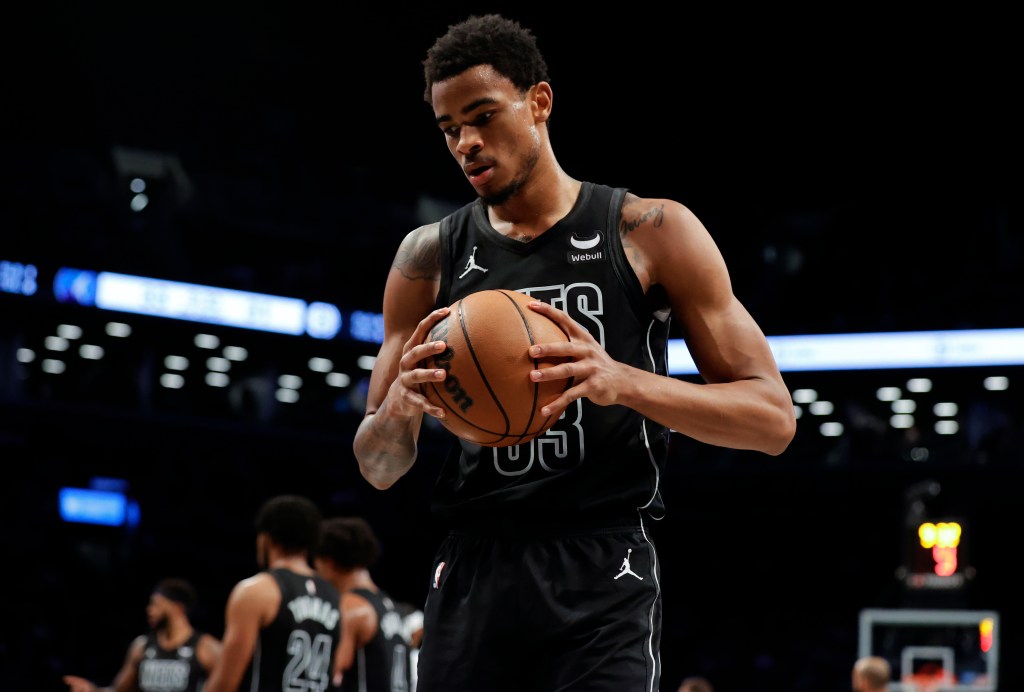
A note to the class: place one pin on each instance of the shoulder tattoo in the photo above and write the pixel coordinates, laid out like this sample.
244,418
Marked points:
654,214
419,258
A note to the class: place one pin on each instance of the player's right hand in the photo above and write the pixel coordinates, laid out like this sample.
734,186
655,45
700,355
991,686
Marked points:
405,396
78,684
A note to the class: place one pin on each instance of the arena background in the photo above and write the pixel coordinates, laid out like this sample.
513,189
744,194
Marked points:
859,170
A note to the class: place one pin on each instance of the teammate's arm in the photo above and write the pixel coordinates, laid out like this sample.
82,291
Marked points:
244,616
208,651
127,678
358,626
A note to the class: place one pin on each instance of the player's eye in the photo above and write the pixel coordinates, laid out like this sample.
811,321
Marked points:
482,119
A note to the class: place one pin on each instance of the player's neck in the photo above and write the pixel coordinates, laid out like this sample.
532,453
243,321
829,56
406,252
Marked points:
295,563
358,578
542,202
174,634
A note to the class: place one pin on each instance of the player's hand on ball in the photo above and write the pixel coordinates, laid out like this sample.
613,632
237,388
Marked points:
595,375
405,396
487,393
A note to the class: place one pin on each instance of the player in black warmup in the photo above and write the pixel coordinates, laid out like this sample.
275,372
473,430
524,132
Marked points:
374,655
172,657
283,624
549,579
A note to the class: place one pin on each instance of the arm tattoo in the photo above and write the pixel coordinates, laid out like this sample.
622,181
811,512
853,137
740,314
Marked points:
421,260
658,214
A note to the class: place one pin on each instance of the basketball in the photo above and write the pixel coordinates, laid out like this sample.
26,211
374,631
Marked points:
487,393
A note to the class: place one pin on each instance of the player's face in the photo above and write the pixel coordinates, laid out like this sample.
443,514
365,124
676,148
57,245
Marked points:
491,129
157,611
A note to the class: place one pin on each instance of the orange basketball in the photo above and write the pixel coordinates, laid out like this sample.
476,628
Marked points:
487,394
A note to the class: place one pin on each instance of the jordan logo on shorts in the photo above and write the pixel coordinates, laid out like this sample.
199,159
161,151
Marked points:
437,575
625,567
471,264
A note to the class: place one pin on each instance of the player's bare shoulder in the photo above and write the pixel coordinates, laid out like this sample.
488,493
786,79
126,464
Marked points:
640,213
649,227
419,254
209,650
138,647
648,215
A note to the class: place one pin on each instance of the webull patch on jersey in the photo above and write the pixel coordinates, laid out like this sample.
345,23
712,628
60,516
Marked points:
586,248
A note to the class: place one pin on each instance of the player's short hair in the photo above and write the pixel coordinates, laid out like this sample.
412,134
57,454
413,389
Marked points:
291,521
873,670
178,590
349,541
488,39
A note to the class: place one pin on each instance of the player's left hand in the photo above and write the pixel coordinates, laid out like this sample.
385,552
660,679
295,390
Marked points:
595,375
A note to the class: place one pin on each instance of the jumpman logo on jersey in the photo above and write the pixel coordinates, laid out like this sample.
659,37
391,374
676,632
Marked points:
625,567
471,264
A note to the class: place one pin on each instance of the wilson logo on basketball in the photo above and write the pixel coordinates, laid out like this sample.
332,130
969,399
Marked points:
459,396
487,394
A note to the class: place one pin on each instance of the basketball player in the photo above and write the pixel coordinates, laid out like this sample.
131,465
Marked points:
871,674
282,625
374,655
172,657
524,594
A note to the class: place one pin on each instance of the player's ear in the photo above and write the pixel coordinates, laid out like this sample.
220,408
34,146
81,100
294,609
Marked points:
540,101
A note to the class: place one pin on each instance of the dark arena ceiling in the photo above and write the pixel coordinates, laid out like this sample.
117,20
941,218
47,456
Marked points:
856,176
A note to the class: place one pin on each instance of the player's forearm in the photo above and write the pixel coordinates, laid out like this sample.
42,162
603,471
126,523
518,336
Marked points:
753,414
385,447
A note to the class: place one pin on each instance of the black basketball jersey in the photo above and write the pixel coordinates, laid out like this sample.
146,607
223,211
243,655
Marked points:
296,650
171,670
596,461
383,665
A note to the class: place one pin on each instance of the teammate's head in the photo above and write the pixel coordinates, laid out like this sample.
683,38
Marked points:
170,597
488,39
290,522
348,541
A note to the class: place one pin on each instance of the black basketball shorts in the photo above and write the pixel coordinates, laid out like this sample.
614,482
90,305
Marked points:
545,611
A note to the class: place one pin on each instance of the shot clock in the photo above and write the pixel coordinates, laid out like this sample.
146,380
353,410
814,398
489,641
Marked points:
936,554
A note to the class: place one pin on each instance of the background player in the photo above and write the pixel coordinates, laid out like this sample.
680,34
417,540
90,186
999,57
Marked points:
374,655
172,657
283,624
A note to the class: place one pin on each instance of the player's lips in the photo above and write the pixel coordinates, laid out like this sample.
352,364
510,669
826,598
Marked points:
479,173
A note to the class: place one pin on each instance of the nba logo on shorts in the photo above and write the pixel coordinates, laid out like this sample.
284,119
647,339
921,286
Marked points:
437,574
